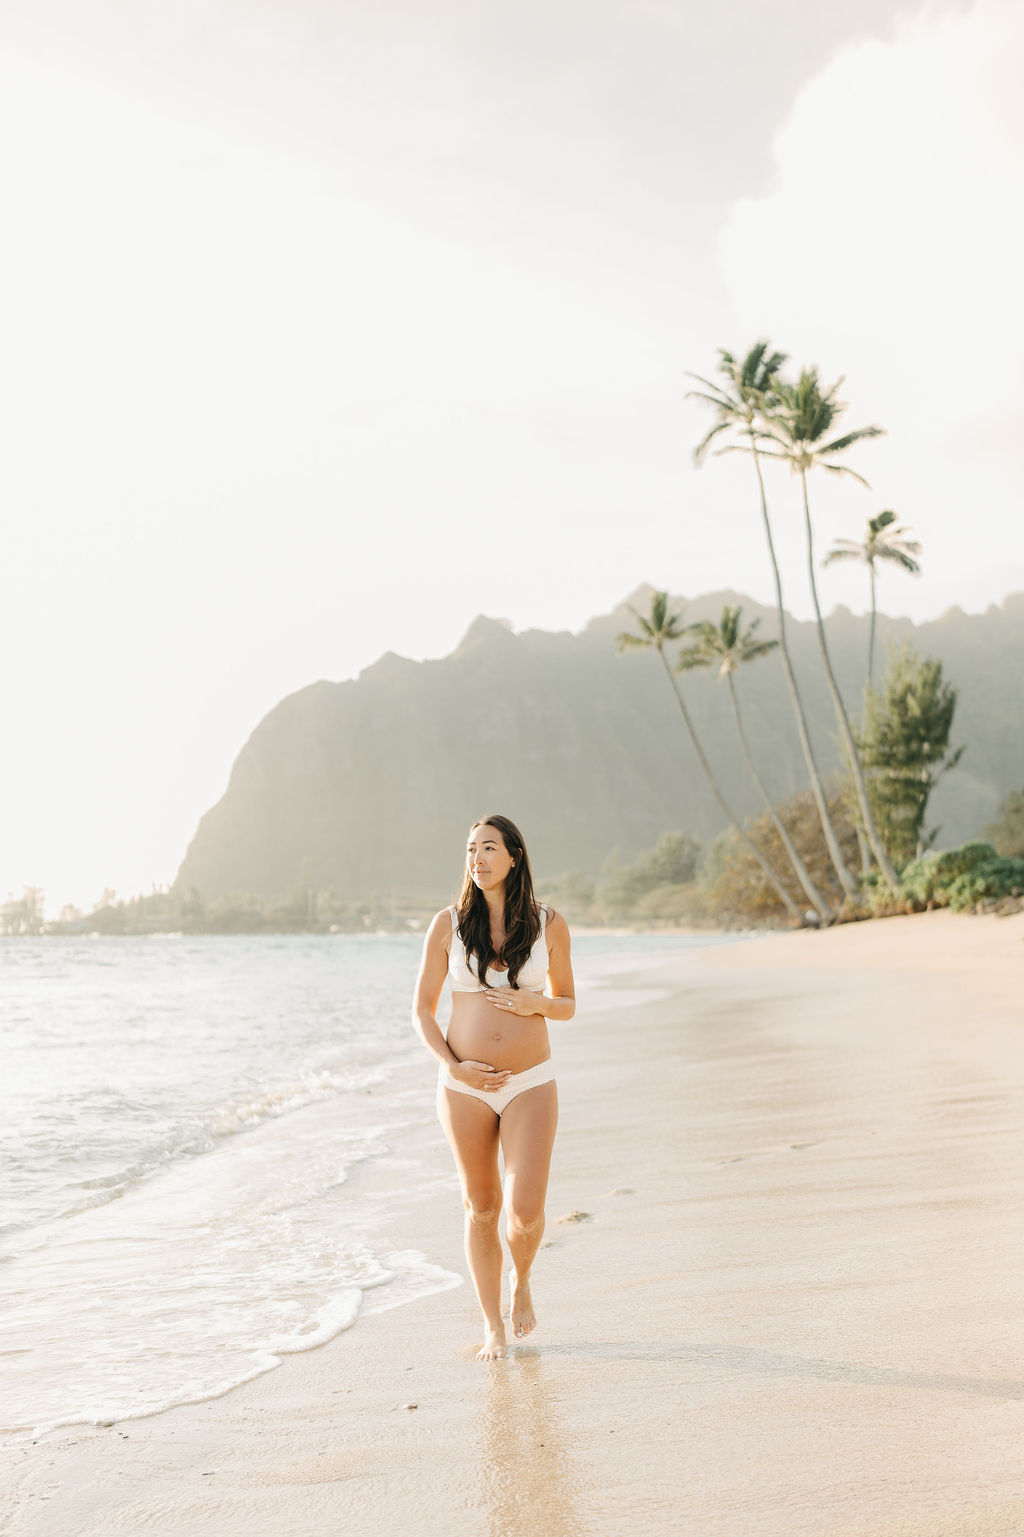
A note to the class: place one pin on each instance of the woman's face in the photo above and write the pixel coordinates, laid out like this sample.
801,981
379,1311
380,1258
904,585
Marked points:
487,859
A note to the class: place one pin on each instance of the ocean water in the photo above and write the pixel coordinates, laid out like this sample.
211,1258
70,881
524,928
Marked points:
185,1124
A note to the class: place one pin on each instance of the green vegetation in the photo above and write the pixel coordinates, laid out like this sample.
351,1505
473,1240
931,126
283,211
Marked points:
972,878
658,889
743,405
733,891
903,746
881,543
24,914
762,870
657,630
927,881
186,912
673,885
728,646
994,881
797,425
1007,831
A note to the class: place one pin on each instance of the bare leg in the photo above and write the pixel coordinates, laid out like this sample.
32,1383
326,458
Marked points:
472,1130
527,1131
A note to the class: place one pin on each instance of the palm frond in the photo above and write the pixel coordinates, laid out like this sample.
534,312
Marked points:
728,634
762,453
844,469
850,551
692,657
661,624
752,362
768,436
627,640
752,650
839,445
700,452
895,541
711,395
898,557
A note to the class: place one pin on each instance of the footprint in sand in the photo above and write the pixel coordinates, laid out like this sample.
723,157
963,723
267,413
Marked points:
796,1147
577,1216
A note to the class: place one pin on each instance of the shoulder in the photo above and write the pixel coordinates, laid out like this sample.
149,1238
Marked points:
439,930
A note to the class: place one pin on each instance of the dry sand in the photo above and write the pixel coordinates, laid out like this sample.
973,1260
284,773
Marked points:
795,1307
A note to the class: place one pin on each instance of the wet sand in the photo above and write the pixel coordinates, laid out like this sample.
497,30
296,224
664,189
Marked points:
791,1303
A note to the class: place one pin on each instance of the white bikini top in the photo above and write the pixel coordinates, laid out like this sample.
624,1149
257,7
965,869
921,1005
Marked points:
464,978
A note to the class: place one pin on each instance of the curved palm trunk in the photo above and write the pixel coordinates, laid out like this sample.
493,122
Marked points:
835,853
777,886
877,847
862,842
799,868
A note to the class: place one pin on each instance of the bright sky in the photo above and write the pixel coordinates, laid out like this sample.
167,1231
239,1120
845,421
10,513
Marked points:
330,326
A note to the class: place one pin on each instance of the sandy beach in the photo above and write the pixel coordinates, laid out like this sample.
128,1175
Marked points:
782,1293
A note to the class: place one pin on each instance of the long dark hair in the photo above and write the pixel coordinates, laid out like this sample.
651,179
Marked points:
522,915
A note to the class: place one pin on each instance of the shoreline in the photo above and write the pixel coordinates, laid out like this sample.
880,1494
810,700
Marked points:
222,1174
796,1227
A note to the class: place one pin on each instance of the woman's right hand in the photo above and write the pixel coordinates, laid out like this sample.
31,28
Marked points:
480,1075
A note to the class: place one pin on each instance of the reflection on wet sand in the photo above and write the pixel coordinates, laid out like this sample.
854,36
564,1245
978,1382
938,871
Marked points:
530,1482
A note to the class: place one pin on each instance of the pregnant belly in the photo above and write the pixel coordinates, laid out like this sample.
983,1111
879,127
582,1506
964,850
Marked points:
480,1032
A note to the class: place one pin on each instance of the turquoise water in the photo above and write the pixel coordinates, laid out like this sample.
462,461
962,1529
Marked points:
183,1118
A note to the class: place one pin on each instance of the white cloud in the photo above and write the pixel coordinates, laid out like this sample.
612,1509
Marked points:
890,250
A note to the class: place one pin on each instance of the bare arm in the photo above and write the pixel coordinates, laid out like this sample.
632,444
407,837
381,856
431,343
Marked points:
559,1002
433,970
560,999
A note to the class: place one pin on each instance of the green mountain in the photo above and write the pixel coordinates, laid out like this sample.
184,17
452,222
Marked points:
370,785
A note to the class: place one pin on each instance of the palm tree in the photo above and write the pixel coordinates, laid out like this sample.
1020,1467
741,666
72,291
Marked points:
659,629
729,645
799,421
882,542
749,390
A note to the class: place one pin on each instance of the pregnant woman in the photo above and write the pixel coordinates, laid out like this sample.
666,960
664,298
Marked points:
496,1085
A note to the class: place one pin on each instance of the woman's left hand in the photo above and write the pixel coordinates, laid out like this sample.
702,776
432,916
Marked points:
512,1000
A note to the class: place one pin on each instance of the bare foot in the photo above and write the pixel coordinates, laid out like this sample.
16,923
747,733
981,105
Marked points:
493,1347
521,1316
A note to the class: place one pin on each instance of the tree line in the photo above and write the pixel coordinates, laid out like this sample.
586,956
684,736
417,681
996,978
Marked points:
184,910
677,883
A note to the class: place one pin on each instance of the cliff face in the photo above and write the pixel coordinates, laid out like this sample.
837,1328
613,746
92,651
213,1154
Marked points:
370,785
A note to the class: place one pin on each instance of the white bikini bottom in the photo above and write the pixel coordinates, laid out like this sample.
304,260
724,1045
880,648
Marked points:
499,1099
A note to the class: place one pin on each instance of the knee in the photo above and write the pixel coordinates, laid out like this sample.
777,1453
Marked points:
525,1219
483,1208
